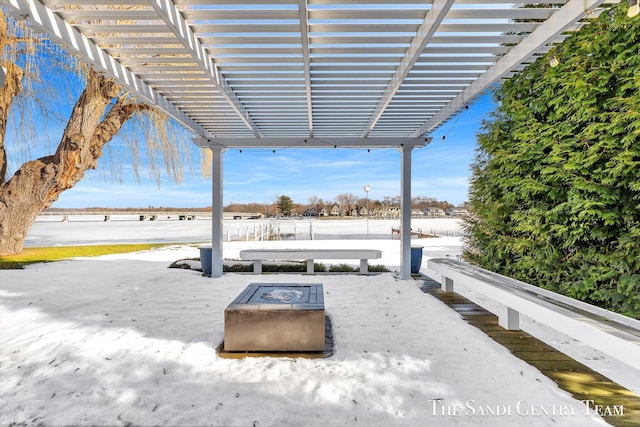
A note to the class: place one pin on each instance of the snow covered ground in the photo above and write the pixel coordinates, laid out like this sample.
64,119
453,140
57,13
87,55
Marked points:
122,339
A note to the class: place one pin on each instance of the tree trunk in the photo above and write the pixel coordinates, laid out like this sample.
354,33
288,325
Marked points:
38,183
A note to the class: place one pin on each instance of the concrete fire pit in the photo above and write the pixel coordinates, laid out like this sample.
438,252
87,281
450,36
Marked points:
276,317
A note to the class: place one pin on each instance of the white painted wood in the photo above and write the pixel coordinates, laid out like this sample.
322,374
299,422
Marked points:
546,33
335,142
430,24
217,256
364,266
290,72
608,332
508,318
75,42
405,212
309,255
446,284
304,39
184,34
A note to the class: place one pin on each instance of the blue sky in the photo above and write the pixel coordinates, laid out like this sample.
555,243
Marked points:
439,170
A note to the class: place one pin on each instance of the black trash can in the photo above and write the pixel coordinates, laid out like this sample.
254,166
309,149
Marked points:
416,259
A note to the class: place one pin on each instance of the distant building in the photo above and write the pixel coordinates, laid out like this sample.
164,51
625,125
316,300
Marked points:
335,211
457,212
435,212
310,212
242,215
386,212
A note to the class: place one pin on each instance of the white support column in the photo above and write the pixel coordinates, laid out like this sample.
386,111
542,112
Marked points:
508,318
405,212
364,266
216,214
446,284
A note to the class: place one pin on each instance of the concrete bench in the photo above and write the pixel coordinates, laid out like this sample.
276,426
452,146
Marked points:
608,332
259,255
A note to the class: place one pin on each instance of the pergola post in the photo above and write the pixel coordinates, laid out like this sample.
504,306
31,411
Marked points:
405,212
216,212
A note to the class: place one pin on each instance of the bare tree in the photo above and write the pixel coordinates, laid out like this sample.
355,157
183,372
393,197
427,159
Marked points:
391,200
421,202
346,202
313,204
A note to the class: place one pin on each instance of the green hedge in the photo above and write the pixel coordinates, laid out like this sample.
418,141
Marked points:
555,193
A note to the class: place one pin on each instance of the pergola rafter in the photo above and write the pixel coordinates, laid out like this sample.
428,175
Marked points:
64,34
433,18
548,31
174,21
304,38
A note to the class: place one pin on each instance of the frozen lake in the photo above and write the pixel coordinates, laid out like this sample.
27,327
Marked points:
92,229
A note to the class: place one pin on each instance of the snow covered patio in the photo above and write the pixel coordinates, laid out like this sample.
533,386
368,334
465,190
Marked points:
122,339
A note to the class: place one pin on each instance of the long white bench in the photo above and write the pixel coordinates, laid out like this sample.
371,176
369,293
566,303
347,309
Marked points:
259,255
611,333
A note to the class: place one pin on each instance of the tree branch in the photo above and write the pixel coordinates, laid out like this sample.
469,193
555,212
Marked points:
12,87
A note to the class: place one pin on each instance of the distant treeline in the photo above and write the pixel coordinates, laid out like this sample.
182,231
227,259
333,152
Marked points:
349,200
344,200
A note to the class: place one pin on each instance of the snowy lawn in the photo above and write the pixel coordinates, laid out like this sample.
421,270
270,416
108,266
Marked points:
122,339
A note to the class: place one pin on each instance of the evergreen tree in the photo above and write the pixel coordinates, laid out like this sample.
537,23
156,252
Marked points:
555,191
285,205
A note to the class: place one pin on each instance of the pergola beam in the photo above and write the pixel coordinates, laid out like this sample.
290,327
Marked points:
551,29
432,20
174,20
337,142
60,32
304,36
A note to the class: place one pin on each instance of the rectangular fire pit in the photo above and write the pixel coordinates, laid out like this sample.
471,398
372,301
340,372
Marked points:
276,317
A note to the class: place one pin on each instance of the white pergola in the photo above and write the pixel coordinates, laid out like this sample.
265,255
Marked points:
307,73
